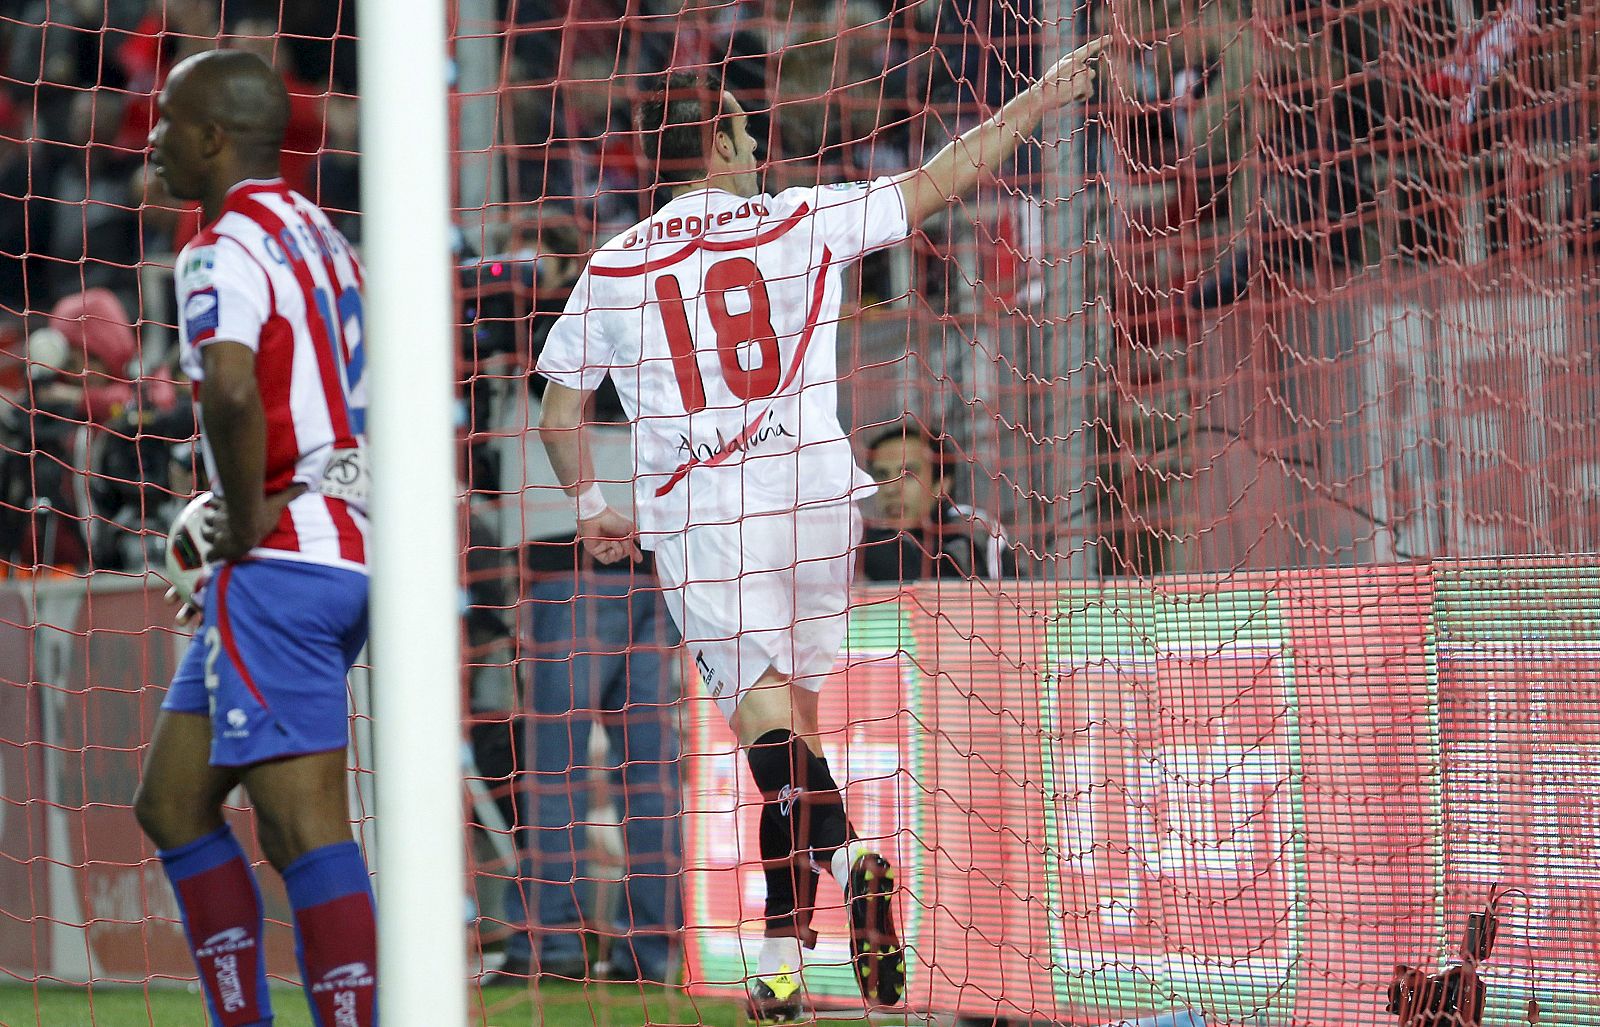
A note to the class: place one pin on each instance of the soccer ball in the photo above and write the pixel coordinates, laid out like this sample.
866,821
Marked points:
188,552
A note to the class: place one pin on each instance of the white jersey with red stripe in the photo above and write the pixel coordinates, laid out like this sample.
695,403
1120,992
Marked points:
716,319
273,274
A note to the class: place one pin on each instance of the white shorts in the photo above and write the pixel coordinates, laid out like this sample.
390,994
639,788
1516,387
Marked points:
769,592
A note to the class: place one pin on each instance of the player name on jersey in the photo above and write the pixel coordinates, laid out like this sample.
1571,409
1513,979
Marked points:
691,224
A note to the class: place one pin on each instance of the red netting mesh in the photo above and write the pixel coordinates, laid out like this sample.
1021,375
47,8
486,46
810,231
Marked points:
1270,375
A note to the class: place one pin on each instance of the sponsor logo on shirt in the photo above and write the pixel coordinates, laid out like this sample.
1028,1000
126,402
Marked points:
197,268
347,476
200,312
706,452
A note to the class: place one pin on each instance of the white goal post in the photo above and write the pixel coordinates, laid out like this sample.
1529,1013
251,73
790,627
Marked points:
415,647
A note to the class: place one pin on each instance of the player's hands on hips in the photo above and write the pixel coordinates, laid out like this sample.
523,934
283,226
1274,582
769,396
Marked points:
1072,77
609,537
189,610
230,539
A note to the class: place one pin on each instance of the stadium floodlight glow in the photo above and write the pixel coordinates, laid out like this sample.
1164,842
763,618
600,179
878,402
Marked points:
415,649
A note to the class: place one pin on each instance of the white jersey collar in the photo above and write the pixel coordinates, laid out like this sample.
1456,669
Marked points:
708,190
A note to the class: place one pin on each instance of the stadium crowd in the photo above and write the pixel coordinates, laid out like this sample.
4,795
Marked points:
87,366
1236,148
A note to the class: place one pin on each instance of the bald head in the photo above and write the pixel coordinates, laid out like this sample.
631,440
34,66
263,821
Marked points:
236,90
223,116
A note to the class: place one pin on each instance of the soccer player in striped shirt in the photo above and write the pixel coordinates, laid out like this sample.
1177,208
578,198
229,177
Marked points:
716,320
269,318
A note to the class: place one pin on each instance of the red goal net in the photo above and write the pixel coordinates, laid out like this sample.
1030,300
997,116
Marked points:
1224,630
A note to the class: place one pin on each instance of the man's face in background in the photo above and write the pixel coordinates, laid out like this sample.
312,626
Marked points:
909,481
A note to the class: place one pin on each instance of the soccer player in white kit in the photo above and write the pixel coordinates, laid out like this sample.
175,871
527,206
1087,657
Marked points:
716,320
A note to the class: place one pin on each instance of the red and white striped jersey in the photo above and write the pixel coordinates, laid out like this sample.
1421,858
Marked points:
273,274
716,320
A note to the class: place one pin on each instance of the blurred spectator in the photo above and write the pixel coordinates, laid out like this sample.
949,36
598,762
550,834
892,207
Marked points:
165,224
96,108
568,109
320,143
145,471
496,729
990,50
93,237
919,531
602,651
1321,113
78,83
83,408
169,31
95,339
832,94
40,523
17,262
832,75
559,261
589,162
546,32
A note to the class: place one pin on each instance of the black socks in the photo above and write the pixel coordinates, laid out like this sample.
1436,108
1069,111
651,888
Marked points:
803,822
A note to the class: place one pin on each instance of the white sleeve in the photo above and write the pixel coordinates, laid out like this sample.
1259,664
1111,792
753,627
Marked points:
577,352
223,296
997,546
855,218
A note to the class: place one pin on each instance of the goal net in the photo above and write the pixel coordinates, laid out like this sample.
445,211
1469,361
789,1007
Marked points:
1226,626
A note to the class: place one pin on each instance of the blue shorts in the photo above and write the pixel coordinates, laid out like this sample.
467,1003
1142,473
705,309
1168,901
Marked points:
270,660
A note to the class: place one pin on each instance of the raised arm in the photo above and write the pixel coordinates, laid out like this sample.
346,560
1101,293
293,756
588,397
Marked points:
954,171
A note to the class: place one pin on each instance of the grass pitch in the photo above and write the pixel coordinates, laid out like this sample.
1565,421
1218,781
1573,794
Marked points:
546,1005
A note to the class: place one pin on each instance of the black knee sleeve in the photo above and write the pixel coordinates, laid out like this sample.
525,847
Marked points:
802,823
